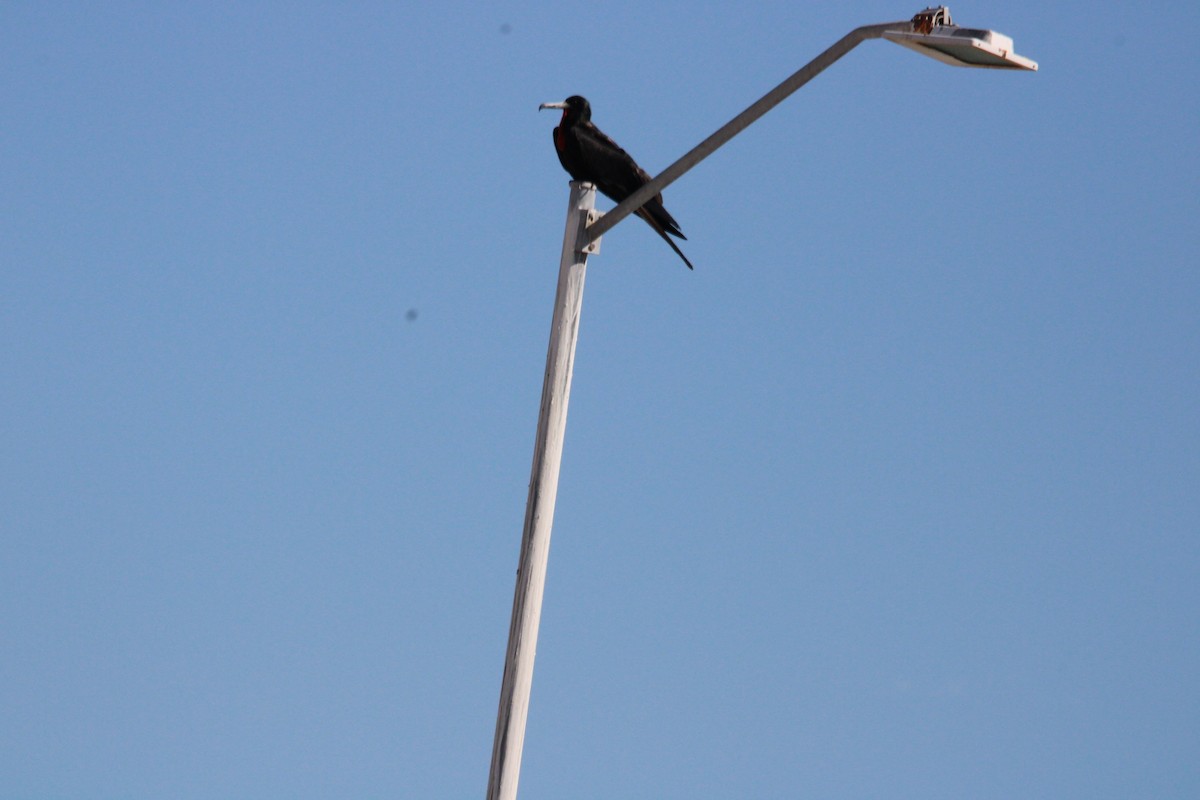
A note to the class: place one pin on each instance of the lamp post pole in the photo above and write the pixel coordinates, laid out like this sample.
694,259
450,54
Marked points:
931,33
539,508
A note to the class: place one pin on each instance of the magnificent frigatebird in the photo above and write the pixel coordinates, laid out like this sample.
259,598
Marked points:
588,155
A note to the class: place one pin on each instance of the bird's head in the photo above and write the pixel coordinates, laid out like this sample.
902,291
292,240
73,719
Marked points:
574,108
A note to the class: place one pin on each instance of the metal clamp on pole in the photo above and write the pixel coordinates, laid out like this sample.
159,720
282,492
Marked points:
592,247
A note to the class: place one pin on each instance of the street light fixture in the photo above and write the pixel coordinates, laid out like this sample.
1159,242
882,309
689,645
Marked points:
931,33
934,35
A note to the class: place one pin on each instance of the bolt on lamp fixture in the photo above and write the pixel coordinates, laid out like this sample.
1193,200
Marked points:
933,34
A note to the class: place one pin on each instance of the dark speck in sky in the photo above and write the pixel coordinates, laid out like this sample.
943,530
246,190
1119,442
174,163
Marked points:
411,314
506,28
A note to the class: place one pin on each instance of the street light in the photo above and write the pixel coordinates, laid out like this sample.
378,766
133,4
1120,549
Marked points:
931,33
934,35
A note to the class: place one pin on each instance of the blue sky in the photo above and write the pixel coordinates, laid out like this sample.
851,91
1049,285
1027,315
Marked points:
896,495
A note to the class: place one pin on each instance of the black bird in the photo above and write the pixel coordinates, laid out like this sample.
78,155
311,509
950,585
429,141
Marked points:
588,155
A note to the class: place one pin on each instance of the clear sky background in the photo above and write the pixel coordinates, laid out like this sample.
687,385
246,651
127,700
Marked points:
896,495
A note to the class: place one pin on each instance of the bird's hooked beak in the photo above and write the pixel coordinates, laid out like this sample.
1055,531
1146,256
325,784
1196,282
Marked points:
552,105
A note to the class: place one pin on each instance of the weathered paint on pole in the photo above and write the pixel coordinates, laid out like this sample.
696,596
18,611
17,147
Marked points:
539,508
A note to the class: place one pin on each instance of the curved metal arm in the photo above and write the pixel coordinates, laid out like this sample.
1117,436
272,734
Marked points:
738,124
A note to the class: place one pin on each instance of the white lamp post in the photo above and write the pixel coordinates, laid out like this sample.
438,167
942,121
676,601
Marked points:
931,33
